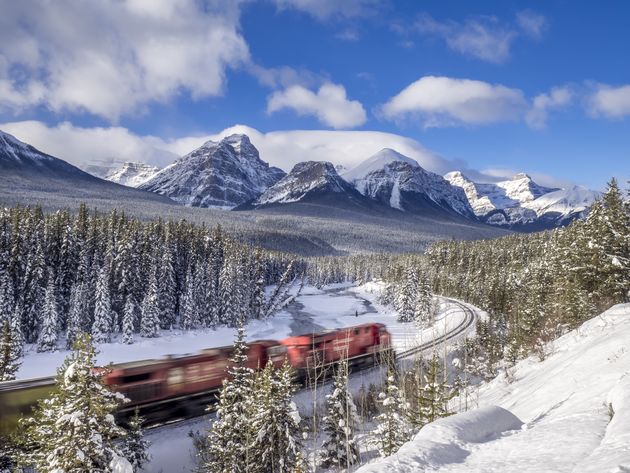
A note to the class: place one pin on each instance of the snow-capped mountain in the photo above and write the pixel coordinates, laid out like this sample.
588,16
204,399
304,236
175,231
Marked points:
220,174
26,171
400,182
520,202
132,174
310,181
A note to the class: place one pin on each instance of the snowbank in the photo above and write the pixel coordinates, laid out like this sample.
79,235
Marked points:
447,440
565,400
613,454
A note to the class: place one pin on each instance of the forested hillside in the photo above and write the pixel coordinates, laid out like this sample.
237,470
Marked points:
534,286
62,274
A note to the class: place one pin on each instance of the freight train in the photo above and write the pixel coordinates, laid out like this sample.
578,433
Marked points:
177,387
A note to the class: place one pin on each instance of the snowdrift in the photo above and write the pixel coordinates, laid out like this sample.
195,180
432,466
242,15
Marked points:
566,402
446,440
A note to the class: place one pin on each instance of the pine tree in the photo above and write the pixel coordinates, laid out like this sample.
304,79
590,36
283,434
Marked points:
392,431
276,445
48,335
231,434
135,446
423,309
129,317
74,430
435,395
340,449
77,314
102,326
167,290
10,352
149,324
189,311
406,296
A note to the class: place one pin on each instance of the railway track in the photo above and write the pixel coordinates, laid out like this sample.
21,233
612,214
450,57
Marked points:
470,318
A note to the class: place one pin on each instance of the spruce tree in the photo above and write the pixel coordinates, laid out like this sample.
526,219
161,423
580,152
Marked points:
149,325
435,395
48,335
231,433
340,449
103,315
135,446
392,429
74,430
276,444
129,317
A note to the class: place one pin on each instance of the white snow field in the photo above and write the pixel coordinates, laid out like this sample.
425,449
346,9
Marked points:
564,404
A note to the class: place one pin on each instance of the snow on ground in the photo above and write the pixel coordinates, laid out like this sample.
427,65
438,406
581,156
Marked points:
565,403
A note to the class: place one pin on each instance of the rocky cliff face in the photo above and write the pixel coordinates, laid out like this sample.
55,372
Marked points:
220,174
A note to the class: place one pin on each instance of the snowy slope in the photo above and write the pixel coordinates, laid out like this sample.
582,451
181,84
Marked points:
400,182
565,404
132,174
26,171
308,181
218,174
520,201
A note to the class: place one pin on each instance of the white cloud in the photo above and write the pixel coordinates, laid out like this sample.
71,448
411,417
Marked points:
115,58
329,104
531,23
557,98
609,101
329,9
86,147
481,37
445,101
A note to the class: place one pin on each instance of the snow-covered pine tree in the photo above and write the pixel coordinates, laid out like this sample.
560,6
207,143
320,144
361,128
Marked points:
77,314
129,317
135,446
423,307
406,295
10,351
276,422
167,289
48,335
74,430
102,326
340,449
32,292
149,325
189,308
435,395
231,433
392,429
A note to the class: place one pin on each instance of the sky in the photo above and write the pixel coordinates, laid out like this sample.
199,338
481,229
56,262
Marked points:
488,87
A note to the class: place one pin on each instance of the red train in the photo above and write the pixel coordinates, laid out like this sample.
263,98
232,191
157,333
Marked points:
183,386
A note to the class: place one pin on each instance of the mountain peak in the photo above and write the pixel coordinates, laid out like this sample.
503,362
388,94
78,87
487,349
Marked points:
377,162
132,174
221,174
521,176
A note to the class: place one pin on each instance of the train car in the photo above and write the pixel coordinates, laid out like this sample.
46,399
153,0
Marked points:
181,386
18,398
359,344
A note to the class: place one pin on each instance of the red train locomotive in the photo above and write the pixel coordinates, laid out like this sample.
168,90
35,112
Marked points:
183,386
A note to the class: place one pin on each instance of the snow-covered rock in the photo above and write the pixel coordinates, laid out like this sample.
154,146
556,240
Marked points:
400,182
220,174
132,174
521,202
307,181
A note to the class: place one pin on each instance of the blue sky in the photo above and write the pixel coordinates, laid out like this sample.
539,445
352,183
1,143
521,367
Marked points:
490,87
